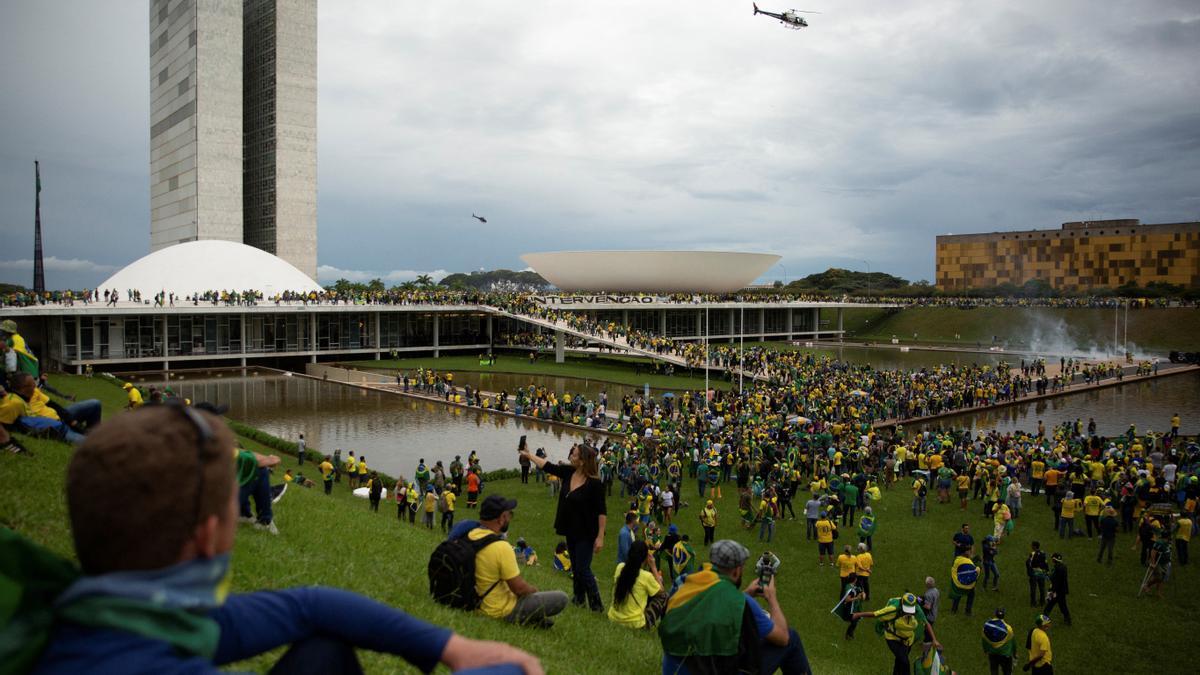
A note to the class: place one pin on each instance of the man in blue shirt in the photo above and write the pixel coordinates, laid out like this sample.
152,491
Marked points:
626,537
155,555
703,629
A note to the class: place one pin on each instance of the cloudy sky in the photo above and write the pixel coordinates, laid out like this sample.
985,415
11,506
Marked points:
633,124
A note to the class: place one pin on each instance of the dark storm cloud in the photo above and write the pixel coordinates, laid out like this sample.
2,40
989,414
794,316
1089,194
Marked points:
627,124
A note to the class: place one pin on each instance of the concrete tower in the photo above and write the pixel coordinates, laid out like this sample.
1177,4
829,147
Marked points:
233,115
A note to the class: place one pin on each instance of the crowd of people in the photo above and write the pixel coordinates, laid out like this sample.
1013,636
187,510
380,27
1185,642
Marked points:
802,432
441,295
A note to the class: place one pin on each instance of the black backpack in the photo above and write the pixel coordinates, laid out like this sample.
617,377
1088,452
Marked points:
922,491
452,572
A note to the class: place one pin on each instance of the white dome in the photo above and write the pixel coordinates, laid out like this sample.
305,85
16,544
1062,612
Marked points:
210,265
651,271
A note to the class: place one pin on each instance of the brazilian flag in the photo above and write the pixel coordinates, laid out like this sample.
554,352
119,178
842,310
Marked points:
997,638
704,616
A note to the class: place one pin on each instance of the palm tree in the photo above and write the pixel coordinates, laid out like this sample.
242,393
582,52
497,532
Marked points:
424,281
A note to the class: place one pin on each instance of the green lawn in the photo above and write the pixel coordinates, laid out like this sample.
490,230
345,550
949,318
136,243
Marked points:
336,541
1155,330
618,369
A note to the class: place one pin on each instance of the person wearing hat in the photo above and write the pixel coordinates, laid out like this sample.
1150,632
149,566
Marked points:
998,644
17,357
901,622
135,396
708,520
526,556
701,631
1038,644
1059,588
498,577
826,532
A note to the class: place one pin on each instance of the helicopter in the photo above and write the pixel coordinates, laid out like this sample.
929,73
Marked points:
788,18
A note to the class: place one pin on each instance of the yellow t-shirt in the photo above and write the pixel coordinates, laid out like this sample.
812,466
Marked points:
825,528
430,502
1037,469
1092,505
631,612
135,397
1069,506
495,563
1183,529
964,482
326,468
449,497
1039,645
846,563
863,562
362,467
903,629
12,407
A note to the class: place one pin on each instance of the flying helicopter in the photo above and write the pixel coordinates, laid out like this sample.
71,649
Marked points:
790,18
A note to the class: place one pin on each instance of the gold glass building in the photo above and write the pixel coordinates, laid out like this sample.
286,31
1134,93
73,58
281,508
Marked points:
1080,256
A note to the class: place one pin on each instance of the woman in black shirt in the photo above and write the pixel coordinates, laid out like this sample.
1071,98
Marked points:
581,516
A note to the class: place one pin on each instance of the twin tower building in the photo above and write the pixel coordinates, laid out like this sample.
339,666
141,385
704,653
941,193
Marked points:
233,125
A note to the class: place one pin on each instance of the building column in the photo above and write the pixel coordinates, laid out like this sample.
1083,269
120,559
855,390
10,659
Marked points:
662,322
242,338
79,345
166,348
816,322
378,336
560,346
732,318
437,320
790,325
625,318
489,332
312,336
700,323
840,312
762,323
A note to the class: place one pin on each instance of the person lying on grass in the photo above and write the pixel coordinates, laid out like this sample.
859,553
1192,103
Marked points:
153,594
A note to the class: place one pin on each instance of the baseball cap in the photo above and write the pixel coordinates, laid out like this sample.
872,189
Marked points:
1041,620
127,386
494,505
728,554
908,603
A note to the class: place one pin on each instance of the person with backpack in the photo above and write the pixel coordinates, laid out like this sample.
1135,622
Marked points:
158,603
920,491
501,592
901,622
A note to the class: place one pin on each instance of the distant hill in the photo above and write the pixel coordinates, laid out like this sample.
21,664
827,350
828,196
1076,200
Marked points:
497,280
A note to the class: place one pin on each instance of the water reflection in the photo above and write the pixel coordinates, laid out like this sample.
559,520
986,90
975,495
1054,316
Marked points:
394,431
1148,404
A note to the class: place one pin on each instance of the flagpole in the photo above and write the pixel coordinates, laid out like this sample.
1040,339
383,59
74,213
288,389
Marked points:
39,272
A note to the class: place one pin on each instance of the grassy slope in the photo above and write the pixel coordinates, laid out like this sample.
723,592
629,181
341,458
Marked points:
616,369
1159,330
337,541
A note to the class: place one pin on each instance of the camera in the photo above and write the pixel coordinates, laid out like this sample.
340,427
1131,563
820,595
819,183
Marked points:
766,567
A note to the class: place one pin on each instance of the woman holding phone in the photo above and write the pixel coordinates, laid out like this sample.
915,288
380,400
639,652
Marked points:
581,517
